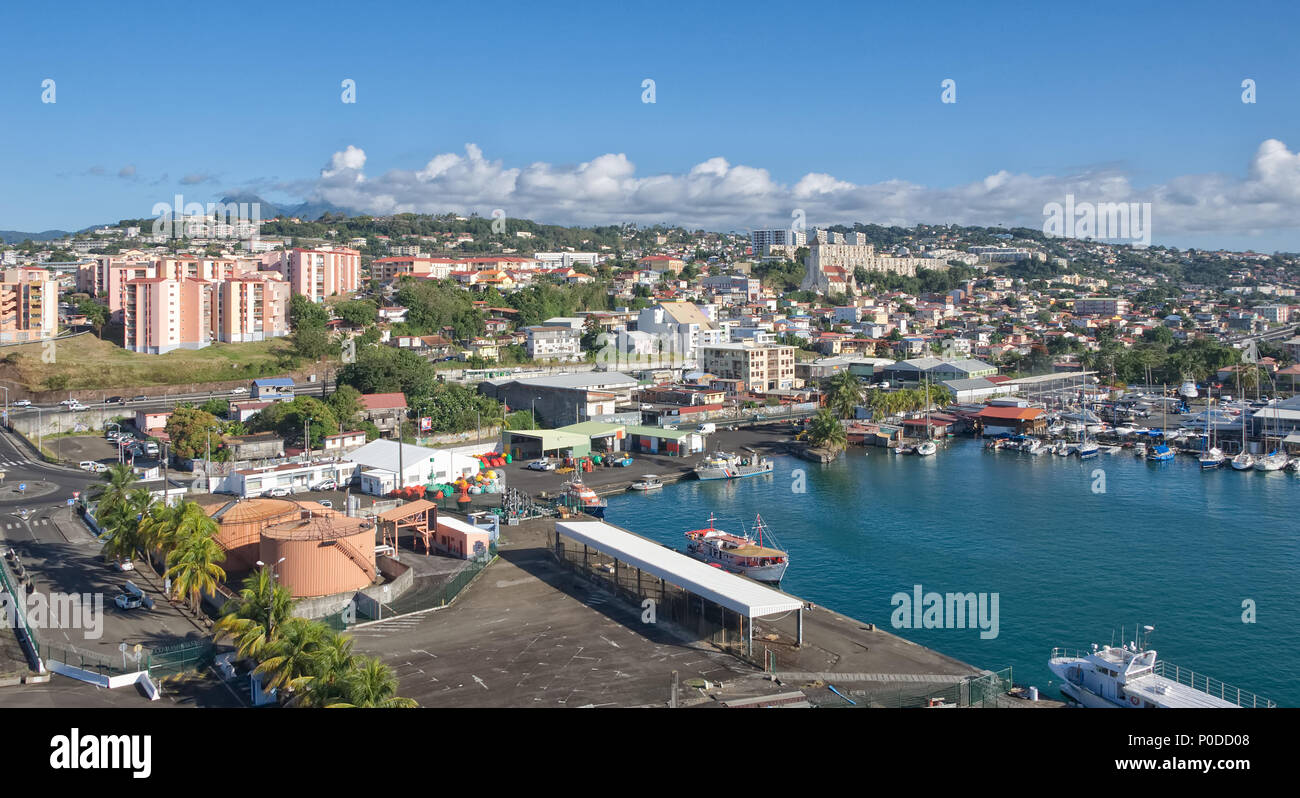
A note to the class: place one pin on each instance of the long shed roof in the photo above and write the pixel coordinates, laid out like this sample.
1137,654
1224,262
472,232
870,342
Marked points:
728,590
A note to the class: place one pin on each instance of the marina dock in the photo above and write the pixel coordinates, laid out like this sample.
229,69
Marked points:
533,631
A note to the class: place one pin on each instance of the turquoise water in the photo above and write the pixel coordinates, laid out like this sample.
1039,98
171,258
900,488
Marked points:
1165,545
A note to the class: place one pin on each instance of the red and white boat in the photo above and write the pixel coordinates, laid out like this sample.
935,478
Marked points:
739,554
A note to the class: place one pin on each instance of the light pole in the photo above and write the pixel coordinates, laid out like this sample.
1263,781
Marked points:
272,567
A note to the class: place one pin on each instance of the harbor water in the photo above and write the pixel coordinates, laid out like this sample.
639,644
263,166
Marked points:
1074,550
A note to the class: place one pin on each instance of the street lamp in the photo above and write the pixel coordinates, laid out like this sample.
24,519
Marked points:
272,567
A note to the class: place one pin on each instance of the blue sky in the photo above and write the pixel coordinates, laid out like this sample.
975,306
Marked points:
1060,97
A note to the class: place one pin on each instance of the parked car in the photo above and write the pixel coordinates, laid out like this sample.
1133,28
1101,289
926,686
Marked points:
541,465
327,484
22,403
87,465
326,503
707,428
239,390
139,398
278,492
132,597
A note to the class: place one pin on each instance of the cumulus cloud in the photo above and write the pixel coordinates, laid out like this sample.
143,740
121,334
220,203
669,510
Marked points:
195,178
717,194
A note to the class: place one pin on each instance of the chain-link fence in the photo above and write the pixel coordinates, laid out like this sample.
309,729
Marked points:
984,690
708,621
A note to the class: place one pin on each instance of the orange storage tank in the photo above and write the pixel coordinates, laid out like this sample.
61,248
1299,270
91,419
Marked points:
240,524
323,554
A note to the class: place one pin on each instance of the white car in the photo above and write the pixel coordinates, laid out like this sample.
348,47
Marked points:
239,390
22,403
87,465
124,565
278,492
541,465
70,402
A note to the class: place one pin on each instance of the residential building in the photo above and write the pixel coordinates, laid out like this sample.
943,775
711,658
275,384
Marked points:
385,410
251,307
160,314
554,342
761,367
320,273
680,328
1101,306
29,305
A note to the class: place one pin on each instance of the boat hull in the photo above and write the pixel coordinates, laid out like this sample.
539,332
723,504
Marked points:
759,573
733,473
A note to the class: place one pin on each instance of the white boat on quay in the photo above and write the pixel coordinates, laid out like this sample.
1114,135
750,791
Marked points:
1131,676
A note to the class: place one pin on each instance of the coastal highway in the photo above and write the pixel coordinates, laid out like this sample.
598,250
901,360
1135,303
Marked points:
169,400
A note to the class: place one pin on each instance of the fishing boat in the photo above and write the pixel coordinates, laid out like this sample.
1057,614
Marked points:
1107,449
904,450
1139,450
739,554
580,497
722,465
926,448
1087,449
1160,453
1132,676
647,482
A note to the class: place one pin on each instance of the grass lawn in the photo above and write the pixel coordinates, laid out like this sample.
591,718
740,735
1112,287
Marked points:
89,363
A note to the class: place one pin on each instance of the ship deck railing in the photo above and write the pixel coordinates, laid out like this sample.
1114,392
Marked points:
1211,686
1190,678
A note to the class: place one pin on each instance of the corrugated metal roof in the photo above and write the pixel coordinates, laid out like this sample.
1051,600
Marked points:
728,590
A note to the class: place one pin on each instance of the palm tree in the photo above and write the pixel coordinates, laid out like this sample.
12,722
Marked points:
331,667
826,432
254,619
192,562
843,393
372,684
112,496
290,660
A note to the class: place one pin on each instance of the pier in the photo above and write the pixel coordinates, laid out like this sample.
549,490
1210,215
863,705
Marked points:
536,629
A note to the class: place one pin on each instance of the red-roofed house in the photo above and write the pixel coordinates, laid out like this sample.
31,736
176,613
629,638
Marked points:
384,410
996,420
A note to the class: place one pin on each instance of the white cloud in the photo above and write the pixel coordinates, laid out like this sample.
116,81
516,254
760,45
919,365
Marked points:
716,194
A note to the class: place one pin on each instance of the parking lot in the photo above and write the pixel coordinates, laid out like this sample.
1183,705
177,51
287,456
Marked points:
63,557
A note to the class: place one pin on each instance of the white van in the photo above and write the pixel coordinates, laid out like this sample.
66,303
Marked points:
707,428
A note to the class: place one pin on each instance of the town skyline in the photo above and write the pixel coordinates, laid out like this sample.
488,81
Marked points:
895,131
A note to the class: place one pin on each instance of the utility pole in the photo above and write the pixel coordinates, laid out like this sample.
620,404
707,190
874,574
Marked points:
306,440
207,461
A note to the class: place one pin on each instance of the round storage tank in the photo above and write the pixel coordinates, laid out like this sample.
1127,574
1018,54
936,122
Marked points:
240,525
323,554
